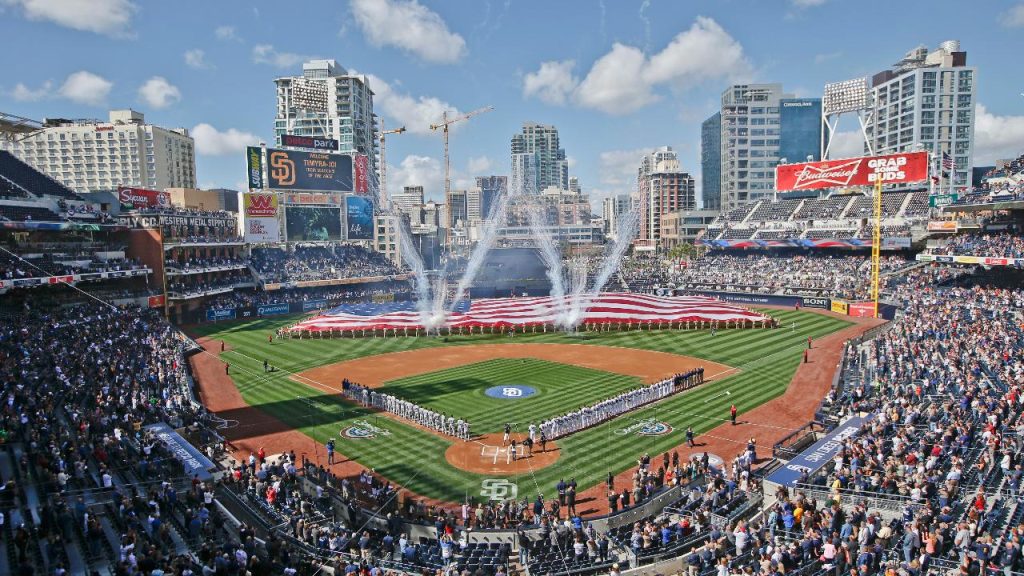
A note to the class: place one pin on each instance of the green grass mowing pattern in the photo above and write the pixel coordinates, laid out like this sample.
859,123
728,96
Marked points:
558,387
767,360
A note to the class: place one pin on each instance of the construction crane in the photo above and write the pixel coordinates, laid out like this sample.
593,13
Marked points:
384,198
443,126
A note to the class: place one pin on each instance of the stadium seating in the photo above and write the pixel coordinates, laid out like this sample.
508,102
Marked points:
32,180
28,213
320,263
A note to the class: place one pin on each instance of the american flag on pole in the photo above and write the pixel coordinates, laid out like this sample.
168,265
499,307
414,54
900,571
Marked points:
604,308
947,162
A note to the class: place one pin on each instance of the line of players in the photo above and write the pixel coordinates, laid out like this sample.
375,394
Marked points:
588,416
455,427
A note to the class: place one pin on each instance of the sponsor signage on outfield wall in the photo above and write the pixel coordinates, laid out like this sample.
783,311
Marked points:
819,454
862,309
215,314
814,302
313,305
863,171
272,309
840,307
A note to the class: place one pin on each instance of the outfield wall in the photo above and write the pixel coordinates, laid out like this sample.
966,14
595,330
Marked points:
839,306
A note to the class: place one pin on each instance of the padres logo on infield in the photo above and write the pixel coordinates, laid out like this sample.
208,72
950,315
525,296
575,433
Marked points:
648,427
363,430
510,391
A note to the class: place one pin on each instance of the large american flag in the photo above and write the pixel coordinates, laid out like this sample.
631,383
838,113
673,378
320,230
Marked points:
611,307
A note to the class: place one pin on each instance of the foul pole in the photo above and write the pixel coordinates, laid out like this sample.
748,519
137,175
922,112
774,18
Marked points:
876,244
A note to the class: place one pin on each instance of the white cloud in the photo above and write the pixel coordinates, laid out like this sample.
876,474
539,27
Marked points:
86,88
23,93
410,26
107,17
822,58
1014,17
625,79
571,161
844,145
479,165
553,83
416,113
617,168
416,170
196,58
213,142
266,54
996,137
158,93
227,33
615,84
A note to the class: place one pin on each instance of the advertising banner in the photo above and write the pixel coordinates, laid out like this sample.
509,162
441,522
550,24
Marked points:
840,307
196,464
814,302
313,223
309,142
313,305
819,454
863,171
156,301
942,226
362,174
940,200
312,198
254,161
294,170
138,198
862,309
897,243
359,218
272,309
261,223
215,314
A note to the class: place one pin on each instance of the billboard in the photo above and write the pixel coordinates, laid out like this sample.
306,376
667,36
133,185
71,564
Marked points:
362,174
863,171
309,142
819,454
862,309
261,224
294,170
254,161
312,223
136,198
358,218
840,307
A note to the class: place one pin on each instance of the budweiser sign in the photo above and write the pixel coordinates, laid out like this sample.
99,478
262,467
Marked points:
864,171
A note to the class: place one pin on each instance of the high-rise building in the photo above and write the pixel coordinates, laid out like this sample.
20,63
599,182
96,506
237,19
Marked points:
491,189
800,129
328,102
612,208
410,203
663,188
91,155
752,137
574,185
549,164
458,206
711,162
927,102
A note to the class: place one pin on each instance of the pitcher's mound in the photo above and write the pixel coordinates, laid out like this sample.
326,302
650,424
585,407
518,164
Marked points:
486,455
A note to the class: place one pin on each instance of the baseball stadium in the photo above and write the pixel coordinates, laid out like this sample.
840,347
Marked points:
354,367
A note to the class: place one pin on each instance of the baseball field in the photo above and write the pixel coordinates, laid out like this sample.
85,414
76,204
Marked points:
552,372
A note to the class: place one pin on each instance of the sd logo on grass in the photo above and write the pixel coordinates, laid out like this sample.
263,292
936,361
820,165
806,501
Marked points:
363,430
510,391
648,427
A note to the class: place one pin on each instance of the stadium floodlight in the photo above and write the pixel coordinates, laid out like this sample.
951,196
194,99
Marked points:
309,95
846,96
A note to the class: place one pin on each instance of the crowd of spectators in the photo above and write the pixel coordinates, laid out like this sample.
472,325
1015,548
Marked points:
14,266
842,276
307,263
397,289
193,264
1006,244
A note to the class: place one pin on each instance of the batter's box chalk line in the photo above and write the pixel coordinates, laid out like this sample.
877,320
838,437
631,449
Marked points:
495,453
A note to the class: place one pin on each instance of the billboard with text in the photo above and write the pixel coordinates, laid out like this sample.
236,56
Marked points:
358,218
295,170
261,223
863,171
138,198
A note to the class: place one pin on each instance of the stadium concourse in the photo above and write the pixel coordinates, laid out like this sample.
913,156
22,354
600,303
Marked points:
109,463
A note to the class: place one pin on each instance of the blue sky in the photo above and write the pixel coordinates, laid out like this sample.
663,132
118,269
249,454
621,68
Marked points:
615,77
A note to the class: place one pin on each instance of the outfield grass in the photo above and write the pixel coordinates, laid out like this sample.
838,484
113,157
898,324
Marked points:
460,391
767,360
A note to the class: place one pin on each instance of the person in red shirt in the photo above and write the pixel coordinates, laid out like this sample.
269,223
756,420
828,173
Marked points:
732,414
262,455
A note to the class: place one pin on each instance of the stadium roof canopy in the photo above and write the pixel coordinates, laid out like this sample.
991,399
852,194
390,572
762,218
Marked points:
12,125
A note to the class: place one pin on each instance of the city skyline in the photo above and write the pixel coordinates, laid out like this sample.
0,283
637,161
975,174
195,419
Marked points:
628,78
